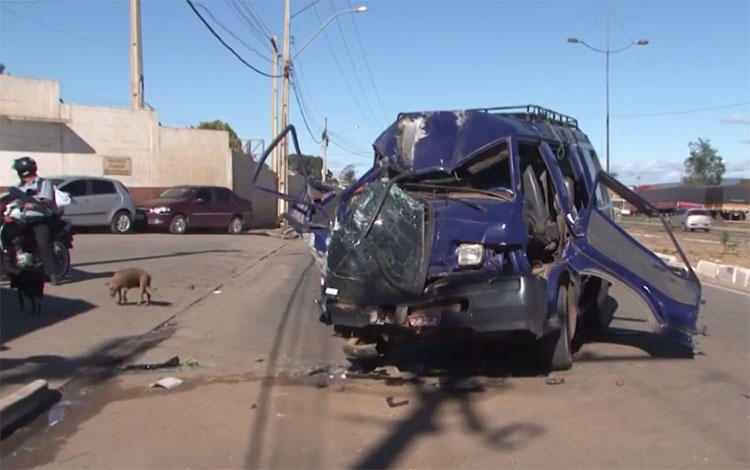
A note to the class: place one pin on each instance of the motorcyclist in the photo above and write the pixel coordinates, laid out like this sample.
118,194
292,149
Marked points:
39,215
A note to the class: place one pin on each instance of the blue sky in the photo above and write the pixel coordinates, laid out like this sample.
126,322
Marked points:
423,55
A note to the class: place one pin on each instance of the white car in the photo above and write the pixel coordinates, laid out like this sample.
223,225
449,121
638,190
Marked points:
691,219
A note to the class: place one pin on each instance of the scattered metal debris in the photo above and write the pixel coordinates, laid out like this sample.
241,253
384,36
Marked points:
554,380
167,382
703,331
171,363
190,362
217,291
253,406
394,404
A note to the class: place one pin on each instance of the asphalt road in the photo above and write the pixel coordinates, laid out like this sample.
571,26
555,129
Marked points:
270,391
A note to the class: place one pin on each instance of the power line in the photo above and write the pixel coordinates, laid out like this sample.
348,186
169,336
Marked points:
254,14
687,111
231,33
338,66
302,113
59,30
221,40
351,62
254,28
367,63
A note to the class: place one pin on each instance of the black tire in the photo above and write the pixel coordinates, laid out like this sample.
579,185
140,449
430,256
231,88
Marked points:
599,314
556,348
236,225
178,225
62,258
122,222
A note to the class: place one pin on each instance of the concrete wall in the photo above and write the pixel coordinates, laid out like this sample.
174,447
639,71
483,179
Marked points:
194,156
27,97
79,142
264,204
73,139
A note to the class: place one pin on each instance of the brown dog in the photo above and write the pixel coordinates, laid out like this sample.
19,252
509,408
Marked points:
130,278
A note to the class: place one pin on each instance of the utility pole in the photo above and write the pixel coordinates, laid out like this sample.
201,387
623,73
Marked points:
274,101
324,150
136,56
286,65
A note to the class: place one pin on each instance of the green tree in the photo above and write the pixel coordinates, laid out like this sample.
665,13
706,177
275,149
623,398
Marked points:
313,165
347,176
217,125
704,166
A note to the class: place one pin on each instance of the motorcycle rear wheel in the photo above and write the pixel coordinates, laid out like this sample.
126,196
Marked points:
62,259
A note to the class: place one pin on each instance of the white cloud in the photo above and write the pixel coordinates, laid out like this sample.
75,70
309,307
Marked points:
736,119
745,141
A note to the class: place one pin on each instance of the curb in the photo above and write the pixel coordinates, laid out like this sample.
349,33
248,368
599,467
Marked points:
725,274
25,404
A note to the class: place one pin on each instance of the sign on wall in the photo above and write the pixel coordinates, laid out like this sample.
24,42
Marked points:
121,166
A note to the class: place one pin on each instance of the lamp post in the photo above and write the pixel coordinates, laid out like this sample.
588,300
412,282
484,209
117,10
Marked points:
287,60
607,52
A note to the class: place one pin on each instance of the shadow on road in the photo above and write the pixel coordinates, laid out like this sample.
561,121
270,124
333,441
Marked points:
142,258
92,368
421,423
15,323
78,275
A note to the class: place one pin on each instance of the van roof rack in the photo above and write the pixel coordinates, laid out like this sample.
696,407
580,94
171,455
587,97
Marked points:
532,113
528,113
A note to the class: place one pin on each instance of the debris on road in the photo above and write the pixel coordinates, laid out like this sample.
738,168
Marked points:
254,406
190,362
171,363
167,382
394,404
703,331
217,291
554,380
260,360
620,383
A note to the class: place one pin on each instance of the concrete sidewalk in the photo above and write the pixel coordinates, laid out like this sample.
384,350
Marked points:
81,326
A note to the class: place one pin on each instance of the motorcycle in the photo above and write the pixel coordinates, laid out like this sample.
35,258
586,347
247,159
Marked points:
19,251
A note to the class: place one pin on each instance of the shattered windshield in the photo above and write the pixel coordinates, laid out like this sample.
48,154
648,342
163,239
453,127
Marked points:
389,260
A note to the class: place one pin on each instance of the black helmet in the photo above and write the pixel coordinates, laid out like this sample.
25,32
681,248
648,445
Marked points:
24,166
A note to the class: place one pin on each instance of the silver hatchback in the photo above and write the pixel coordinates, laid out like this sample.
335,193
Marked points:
691,219
97,202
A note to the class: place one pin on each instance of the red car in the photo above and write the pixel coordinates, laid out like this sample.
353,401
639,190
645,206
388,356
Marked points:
184,207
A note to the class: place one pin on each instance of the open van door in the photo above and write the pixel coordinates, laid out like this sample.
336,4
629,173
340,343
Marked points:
306,213
600,247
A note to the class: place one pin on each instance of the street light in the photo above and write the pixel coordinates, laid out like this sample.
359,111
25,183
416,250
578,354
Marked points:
283,155
359,9
607,52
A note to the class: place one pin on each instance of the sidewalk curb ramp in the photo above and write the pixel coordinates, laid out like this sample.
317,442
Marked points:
25,404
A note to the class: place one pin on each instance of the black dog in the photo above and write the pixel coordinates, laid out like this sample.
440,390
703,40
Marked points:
31,285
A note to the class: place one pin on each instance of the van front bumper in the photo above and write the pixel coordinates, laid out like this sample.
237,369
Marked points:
482,302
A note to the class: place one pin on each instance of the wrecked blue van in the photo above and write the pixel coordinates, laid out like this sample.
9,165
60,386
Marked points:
486,222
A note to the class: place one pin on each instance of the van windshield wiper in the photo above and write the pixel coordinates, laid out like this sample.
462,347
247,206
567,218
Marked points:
506,195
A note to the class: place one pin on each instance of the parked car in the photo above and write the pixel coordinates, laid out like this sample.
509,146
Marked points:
484,223
691,219
183,207
97,202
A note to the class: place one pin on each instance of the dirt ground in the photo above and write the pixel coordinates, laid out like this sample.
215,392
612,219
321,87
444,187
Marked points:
696,245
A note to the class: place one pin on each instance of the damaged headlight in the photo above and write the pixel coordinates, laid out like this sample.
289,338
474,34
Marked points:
470,254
